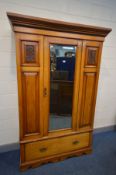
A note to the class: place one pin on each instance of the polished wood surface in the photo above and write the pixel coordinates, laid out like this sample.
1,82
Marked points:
55,146
53,25
57,34
52,159
33,38
87,99
30,85
88,84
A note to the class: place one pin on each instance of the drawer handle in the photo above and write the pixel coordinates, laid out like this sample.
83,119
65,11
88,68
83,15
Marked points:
43,149
75,142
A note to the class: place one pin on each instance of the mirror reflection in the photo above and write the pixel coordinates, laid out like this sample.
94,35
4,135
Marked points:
62,66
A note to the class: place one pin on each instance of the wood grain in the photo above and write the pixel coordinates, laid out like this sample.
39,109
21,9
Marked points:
33,36
30,88
53,25
47,148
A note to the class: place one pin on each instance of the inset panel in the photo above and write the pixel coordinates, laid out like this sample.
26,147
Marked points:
92,49
92,56
88,92
30,53
31,100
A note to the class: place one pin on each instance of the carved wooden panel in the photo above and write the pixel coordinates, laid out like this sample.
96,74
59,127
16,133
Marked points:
30,53
88,91
91,56
31,100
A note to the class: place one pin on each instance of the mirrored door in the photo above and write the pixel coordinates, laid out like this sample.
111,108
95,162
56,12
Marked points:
60,75
62,69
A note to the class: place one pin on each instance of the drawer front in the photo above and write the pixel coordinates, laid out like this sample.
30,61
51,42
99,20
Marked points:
54,146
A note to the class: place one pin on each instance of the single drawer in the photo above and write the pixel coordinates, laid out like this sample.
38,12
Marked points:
49,147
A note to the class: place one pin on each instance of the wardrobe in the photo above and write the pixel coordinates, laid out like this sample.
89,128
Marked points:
58,66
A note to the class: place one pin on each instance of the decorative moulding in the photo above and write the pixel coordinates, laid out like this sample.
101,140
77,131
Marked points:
53,25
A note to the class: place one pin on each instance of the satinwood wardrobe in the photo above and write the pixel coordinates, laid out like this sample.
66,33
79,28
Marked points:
58,67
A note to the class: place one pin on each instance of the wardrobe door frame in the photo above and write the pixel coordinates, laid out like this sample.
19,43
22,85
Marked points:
46,103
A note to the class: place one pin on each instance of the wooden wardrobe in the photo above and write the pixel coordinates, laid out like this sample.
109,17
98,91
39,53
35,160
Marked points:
58,67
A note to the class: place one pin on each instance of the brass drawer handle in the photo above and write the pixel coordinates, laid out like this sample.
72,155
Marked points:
43,149
75,142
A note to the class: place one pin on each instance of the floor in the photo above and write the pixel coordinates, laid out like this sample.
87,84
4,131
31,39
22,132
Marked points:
101,162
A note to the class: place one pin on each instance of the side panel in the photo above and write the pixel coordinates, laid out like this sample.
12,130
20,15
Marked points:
30,84
31,101
87,98
90,65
